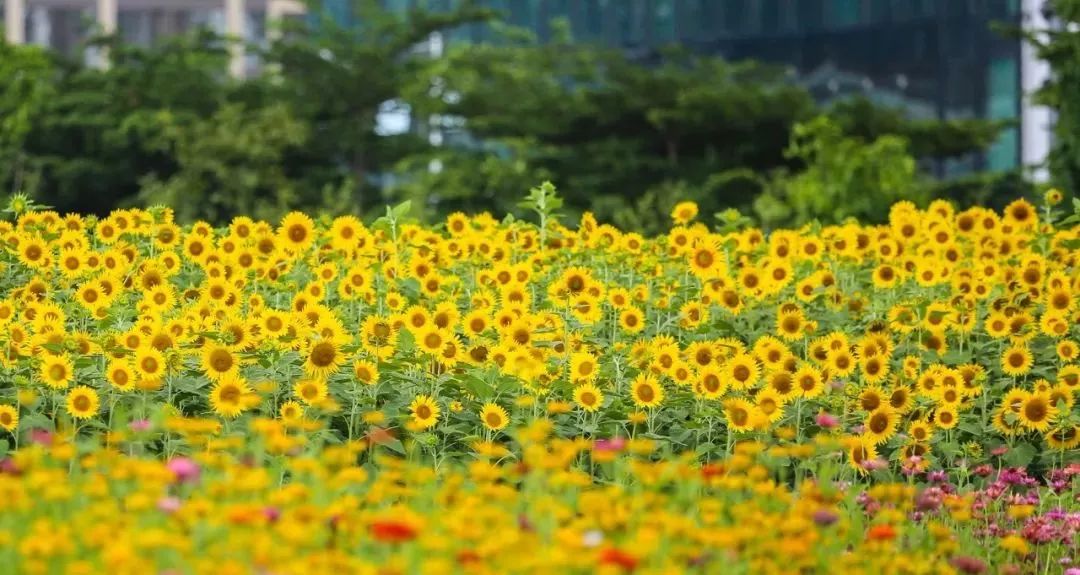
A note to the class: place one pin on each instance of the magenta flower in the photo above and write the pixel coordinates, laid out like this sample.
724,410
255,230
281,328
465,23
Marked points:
185,469
826,420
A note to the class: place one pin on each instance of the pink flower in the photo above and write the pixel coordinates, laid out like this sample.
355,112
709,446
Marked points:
185,469
139,425
826,420
613,444
41,436
874,464
169,504
824,517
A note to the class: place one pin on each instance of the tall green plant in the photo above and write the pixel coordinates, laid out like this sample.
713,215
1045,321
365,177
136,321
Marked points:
844,177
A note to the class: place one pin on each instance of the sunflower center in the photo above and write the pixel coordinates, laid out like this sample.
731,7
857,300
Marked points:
297,233
229,394
57,372
1035,410
323,354
221,360
741,373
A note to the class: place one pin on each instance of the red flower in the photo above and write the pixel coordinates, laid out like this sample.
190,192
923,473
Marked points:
622,559
710,470
881,533
392,531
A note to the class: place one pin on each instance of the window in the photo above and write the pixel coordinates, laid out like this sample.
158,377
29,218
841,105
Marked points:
1002,97
663,21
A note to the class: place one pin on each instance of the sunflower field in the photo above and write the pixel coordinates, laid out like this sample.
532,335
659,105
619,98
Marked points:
511,396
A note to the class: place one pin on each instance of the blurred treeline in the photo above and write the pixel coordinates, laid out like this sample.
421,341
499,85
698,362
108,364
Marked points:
625,139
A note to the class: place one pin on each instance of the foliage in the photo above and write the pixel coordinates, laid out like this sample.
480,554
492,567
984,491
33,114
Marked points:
231,161
1060,47
317,395
26,84
844,177
619,137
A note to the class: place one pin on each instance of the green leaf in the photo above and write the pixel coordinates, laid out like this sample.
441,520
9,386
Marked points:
1021,455
402,210
394,445
477,387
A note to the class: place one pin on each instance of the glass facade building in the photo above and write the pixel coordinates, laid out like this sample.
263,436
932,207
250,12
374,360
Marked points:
933,58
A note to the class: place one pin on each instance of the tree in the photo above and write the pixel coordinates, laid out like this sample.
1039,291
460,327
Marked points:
844,177
336,77
228,164
26,84
1060,47
89,139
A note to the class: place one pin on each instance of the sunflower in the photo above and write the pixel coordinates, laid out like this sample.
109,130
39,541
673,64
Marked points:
365,372
631,319
741,415
291,412
770,404
881,424
1006,421
684,212
871,398
297,232
34,253
425,412
583,367
149,363
379,336
82,402
1016,360
120,375
324,359
920,431
1021,214
885,276
57,371
841,362
710,383
310,391
228,396
218,362
1037,412
790,324
859,452
945,417
589,397
431,339
494,417
900,398
742,370
1067,350
1062,438
809,382
646,392
9,417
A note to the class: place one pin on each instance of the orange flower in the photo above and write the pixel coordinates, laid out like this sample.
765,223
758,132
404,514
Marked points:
390,531
618,558
881,533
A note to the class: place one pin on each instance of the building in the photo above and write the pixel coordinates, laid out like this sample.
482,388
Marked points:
65,24
934,58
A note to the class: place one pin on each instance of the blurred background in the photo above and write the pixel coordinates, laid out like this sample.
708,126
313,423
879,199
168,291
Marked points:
785,110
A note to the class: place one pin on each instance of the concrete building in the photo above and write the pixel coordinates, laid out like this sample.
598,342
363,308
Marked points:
65,24
935,58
